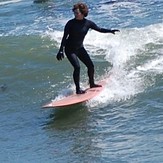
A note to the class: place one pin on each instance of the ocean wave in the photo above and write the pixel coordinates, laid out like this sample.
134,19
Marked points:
9,2
135,55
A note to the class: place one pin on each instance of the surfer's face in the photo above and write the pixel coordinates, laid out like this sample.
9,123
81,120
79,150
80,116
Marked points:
78,14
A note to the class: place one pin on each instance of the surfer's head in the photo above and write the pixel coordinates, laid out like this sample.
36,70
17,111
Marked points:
80,8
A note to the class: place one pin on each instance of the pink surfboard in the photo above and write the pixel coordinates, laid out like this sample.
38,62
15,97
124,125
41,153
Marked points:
76,98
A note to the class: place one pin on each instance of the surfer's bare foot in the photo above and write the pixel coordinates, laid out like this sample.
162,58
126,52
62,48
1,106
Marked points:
80,91
95,85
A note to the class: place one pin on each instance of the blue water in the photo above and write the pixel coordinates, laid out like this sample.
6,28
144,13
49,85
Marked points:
123,124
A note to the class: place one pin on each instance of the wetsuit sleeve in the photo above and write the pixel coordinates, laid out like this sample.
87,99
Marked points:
65,35
96,28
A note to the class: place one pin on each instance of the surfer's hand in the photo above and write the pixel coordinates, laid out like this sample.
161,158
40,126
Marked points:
114,30
60,55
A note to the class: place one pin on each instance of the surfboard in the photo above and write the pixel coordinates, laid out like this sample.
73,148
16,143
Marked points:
76,98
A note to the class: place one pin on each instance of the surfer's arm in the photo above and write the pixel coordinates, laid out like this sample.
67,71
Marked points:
60,54
102,30
65,35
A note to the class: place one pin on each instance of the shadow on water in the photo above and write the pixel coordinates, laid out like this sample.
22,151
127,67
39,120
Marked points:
69,131
3,87
67,117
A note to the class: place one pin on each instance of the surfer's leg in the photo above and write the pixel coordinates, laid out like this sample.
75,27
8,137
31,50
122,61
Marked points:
76,74
85,58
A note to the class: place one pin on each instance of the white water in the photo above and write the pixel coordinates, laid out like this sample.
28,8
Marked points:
8,2
134,54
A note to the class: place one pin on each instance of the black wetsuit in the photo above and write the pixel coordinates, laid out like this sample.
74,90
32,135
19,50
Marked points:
74,34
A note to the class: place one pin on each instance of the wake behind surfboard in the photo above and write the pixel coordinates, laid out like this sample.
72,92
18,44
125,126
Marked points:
76,98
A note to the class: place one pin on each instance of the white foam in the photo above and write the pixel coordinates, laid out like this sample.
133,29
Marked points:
8,2
128,79
154,65
54,35
124,50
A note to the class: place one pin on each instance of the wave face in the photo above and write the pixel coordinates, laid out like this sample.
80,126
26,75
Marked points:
122,124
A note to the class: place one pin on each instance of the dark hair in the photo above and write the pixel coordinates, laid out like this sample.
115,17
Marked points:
82,7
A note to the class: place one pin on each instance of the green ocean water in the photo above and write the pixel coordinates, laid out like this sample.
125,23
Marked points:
122,124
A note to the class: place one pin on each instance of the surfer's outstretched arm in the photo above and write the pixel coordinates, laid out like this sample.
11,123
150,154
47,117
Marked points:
103,30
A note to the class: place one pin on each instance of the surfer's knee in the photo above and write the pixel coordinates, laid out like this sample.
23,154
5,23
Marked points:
90,65
91,68
76,70
77,67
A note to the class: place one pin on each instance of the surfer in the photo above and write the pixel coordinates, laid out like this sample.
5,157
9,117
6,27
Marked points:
72,44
